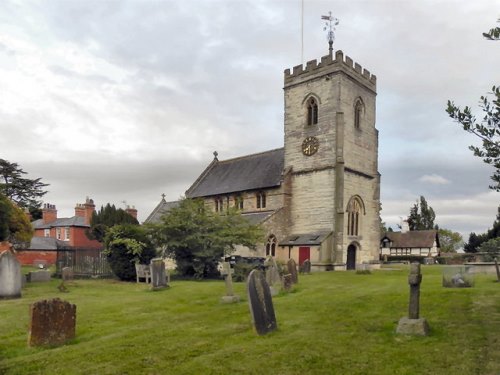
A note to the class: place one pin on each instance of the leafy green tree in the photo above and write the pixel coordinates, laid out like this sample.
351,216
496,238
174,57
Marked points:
422,216
197,238
15,226
488,128
106,218
476,240
125,245
450,241
24,192
492,246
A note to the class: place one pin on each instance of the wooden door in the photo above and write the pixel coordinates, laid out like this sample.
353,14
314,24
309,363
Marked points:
304,253
351,257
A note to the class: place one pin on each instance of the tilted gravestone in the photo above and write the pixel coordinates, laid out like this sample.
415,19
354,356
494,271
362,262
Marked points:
158,274
10,275
287,282
306,266
413,324
52,322
292,270
273,276
227,272
260,303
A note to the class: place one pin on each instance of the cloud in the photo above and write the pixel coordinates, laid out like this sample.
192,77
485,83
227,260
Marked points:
434,179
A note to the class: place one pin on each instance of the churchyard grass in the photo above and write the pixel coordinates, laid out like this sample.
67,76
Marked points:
332,323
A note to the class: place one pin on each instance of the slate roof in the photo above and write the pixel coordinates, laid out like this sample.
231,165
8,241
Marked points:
413,239
162,208
258,217
251,172
75,221
46,243
307,239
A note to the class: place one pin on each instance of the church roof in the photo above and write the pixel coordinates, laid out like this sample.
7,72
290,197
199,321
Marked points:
309,239
162,208
251,172
413,239
257,217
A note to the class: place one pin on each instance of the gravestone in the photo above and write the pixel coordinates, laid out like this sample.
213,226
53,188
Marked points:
227,272
273,276
292,270
287,282
260,303
67,274
306,266
413,324
10,276
38,276
158,274
52,322
498,270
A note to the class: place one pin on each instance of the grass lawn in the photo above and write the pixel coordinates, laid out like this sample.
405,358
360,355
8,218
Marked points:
332,323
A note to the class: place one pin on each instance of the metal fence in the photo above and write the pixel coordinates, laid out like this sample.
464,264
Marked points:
83,262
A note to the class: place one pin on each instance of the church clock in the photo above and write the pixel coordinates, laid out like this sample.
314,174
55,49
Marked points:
310,145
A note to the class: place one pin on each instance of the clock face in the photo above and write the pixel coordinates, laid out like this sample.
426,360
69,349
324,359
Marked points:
310,146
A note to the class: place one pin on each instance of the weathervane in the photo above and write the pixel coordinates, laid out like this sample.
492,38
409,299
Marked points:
330,26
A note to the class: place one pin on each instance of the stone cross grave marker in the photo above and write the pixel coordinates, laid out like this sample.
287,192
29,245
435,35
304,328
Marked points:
273,276
260,303
158,274
413,324
227,272
10,275
52,322
292,270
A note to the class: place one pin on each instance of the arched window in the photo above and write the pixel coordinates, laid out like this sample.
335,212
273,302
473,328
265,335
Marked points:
359,108
261,199
312,111
354,210
271,245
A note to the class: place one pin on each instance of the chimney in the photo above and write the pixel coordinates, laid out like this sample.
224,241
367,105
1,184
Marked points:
404,226
49,213
85,210
131,211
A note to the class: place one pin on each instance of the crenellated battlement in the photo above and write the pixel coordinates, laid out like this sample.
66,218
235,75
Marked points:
326,65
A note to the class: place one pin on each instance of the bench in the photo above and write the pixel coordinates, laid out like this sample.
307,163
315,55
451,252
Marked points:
142,271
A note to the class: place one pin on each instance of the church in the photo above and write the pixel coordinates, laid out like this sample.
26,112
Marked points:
318,197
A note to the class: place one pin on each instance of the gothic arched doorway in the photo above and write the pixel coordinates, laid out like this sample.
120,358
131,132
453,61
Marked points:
351,257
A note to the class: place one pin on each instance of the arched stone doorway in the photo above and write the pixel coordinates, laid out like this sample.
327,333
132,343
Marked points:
351,257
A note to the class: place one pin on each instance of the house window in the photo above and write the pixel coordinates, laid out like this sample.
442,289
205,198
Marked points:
358,113
66,234
238,202
261,200
354,216
58,233
312,112
46,232
271,246
219,204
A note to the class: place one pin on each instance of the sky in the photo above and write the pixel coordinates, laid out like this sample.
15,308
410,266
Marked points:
122,101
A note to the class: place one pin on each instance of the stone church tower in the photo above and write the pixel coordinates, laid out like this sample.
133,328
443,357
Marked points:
331,152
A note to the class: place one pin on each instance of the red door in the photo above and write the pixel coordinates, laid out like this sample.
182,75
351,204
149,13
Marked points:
304,253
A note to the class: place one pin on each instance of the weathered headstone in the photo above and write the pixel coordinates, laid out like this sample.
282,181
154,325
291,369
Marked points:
10,275
260,303
273,276
292,270
158,274
413,324
287,282
67,274
497,269
38,276
227,272
52,322
306,266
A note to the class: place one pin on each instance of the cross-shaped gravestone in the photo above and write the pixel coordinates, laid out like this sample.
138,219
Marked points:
413,324
227,272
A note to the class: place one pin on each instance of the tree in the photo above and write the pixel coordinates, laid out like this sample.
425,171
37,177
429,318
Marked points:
421,216
449,241
125,245
488,128
492,246
476,241
15,226
197,238
106,218
22,191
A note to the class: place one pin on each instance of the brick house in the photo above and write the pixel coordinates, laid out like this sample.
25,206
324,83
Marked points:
318,197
